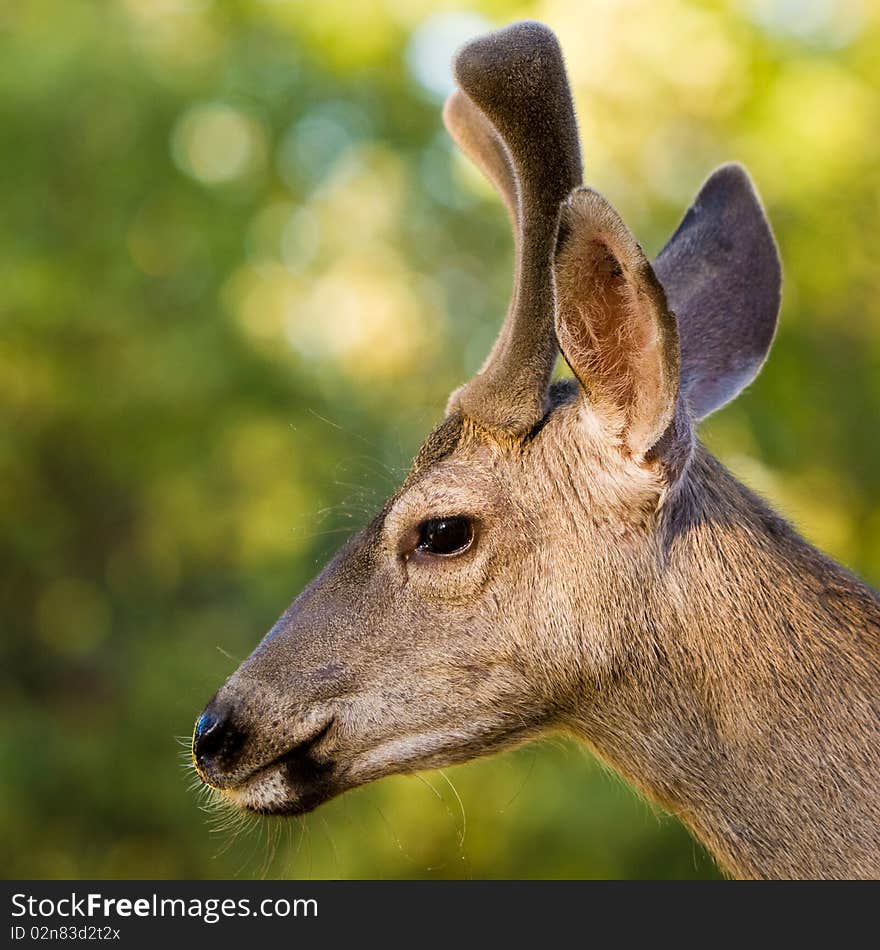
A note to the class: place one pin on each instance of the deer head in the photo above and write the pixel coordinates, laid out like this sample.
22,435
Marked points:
506,587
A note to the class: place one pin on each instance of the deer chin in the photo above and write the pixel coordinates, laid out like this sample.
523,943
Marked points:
437,749
300,782
274,791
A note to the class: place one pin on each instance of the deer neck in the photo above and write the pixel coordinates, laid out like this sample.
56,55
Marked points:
751,708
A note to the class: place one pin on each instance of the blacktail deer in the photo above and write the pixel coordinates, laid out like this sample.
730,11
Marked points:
567,556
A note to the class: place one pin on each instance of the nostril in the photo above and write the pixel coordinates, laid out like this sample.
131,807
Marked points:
216,739
208,735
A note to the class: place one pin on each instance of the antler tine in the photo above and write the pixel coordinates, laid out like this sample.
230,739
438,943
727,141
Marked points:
479,140
516,80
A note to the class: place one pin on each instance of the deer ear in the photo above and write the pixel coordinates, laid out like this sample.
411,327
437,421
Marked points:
722,278
613,324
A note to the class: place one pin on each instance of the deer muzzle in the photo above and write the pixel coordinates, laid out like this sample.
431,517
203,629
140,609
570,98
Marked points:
290,771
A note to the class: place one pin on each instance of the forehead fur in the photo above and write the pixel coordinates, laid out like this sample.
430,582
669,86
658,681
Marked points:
568,430
444,440
457,430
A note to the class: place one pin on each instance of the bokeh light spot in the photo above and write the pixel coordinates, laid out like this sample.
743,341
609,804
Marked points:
434,43
216,143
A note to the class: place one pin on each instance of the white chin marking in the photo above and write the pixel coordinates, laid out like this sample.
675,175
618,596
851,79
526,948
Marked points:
266,791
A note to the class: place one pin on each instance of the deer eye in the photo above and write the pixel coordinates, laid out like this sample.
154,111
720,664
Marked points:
445,536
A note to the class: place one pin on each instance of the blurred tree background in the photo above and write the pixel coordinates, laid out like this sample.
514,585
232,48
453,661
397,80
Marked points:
242,269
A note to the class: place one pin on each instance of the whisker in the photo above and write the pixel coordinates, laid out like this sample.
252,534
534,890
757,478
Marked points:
329,833
395,837
336,425
451,785
528,775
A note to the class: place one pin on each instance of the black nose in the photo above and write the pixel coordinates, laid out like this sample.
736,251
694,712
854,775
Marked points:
217,740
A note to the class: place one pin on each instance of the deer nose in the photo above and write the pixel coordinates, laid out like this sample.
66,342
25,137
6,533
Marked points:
217,741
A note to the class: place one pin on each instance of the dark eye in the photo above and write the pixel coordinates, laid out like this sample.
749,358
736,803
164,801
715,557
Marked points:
445,535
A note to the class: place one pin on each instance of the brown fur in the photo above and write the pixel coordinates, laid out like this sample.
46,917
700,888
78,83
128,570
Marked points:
620,584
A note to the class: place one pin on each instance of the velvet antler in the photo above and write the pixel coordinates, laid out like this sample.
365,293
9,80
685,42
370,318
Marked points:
513,116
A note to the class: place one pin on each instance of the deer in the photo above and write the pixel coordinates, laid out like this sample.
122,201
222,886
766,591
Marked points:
566,556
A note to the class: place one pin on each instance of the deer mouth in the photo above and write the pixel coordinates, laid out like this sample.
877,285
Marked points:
293,783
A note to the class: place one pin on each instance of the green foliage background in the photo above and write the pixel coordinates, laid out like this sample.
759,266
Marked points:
241,270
